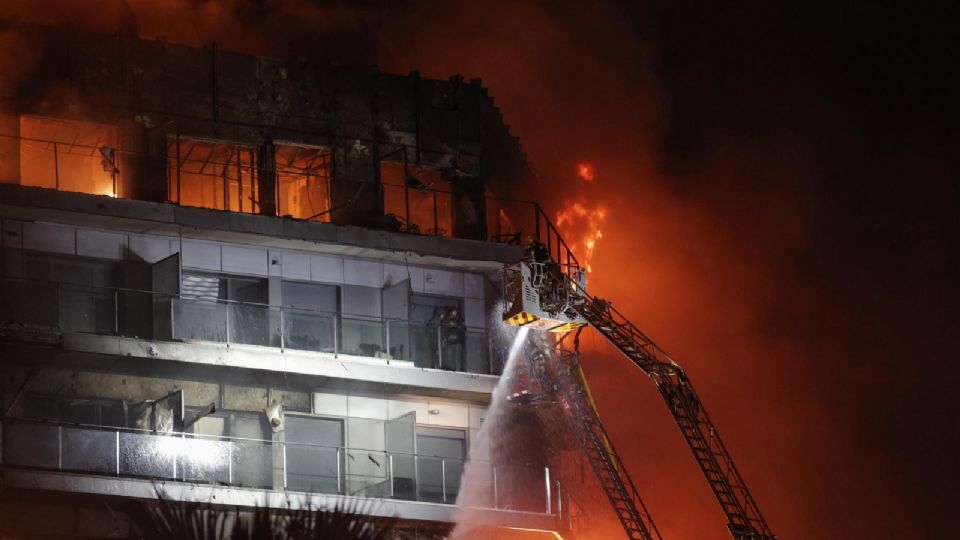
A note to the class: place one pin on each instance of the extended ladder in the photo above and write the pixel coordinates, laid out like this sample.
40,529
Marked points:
574,396
743,516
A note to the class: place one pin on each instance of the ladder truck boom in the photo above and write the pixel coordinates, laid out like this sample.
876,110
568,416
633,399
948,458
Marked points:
546,296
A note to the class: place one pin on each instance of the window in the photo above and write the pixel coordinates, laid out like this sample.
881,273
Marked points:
440,456
303,181
225,308
309,312
224,287
69,155
212,174
94,412
315,460
437,333
416,197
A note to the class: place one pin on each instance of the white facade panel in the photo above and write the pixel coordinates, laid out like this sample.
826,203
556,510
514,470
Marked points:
202,255
443,282
148,249
367,407
446,413
358,300
326,269
245,260
50,237
473,315
367,273
275,259
102,245
399,407
329,404
473,286
295,265
395,273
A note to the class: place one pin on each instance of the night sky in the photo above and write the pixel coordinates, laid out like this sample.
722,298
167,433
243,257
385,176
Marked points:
781,200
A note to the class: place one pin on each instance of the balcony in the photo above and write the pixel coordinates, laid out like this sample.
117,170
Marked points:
276,466
226,177
56,308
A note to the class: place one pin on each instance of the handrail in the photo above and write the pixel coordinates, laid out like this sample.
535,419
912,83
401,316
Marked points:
61,285
428,484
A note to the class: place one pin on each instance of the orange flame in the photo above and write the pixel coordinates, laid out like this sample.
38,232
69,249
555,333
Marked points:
579,222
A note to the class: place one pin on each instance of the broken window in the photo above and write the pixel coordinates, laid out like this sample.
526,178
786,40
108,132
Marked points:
212,174
303,181
69,155
417,197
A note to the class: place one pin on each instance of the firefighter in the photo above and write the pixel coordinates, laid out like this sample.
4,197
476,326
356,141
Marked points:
451,335
536,251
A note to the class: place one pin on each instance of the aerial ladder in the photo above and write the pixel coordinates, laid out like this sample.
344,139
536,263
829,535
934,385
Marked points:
546,291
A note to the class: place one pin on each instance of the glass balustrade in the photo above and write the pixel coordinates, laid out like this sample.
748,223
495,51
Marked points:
123,312
263,464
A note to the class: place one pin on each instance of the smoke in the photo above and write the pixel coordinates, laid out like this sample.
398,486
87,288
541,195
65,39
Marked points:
780,217
776,219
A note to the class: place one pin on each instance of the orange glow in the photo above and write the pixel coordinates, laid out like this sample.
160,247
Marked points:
580,223
303,181
585,171
69,155
212,174
418,198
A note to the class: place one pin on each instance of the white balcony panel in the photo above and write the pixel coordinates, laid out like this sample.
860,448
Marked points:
473,286
102,245
202,255
443,282
326,269
366,273
473,313
367,407
244,260
329,404
399,407
148,249
295,265
446,413
50,237
395,273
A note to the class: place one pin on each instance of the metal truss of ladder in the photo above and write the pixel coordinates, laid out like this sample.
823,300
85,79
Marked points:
743,516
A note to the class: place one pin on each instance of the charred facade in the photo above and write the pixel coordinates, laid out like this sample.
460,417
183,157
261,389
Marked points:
257,280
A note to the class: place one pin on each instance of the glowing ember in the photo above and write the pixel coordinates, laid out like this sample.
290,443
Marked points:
585,171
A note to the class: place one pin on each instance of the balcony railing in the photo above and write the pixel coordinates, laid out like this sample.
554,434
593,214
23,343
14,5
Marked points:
271,465
149,315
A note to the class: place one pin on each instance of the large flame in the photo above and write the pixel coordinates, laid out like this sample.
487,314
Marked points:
580,220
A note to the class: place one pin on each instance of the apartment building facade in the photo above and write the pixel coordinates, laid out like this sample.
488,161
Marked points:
253,281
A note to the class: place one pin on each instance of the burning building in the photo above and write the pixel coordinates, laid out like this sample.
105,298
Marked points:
249,280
